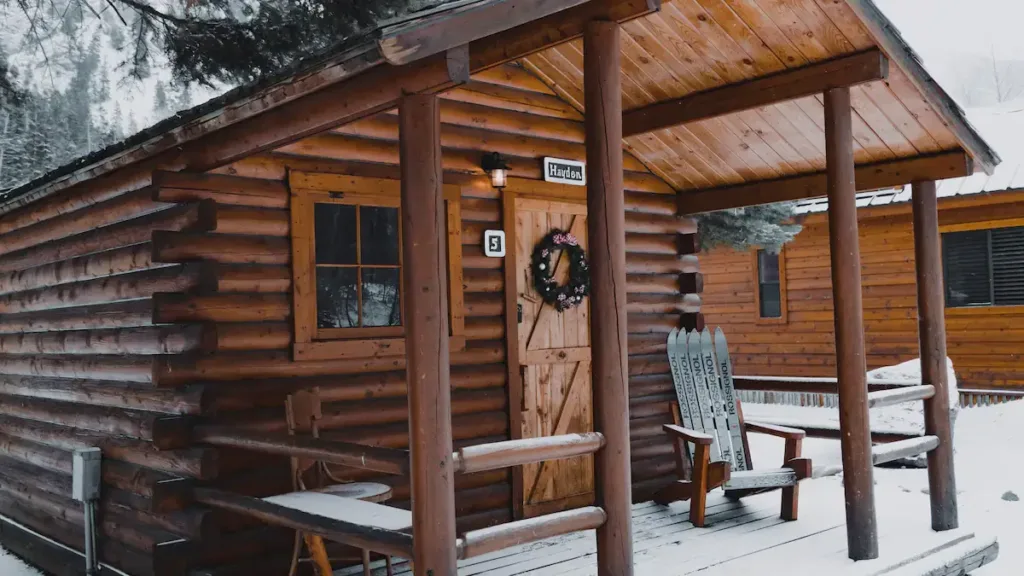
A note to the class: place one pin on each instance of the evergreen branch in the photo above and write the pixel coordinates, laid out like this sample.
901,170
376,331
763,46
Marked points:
147,10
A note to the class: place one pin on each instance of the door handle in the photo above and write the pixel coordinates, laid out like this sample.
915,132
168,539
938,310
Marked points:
524,406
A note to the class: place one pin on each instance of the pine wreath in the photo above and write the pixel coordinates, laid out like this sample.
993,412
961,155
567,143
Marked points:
571,294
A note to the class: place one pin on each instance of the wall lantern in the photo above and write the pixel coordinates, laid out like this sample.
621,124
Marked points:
497,168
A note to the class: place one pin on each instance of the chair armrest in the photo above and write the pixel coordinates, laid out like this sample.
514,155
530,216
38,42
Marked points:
689,435
773,430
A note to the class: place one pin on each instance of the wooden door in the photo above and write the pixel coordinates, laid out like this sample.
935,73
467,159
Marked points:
554,362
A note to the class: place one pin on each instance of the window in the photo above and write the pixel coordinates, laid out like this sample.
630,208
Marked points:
984,267
347,266
770,293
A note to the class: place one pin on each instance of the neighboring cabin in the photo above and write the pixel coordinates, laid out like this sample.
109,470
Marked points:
777,309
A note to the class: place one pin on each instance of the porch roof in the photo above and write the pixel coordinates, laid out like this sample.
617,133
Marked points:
743,148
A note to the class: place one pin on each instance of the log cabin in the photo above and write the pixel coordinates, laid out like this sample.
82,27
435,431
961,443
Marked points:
323,229
777,308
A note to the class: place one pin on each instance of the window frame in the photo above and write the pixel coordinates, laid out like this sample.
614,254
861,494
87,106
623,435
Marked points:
314,343
978,226
783,318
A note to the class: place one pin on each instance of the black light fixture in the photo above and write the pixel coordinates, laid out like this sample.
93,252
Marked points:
497,168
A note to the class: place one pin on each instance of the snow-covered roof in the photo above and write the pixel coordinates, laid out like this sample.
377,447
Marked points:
1002,126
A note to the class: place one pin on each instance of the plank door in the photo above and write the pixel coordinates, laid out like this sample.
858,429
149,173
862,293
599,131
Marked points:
554,360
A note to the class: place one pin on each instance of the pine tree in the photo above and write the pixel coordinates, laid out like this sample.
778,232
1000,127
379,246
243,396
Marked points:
768,226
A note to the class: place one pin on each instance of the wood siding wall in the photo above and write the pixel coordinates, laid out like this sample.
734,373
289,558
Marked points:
171,304
984,343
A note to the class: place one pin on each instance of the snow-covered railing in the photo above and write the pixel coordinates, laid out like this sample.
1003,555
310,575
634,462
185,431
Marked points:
971,397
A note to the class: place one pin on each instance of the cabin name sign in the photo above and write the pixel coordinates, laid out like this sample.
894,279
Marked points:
565,171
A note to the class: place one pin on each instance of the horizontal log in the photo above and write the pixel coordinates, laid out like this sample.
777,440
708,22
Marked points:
640,244
368,538
139,369
887,174
483,304
109,263
790,84
192,217
467,428
250,278
663,303
100,393
249,221
347,139
223,248
805,384
483,281
165,432
883,398
646,323
244,395
120,208
126,314
661,264
903,449
511,453
512,534
228,190
179,370
647,203
120,287
252,336
657,224
384,460
175,308
143,341
653,283
199,463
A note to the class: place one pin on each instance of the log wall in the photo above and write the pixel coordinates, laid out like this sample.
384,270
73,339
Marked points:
126,321
984,343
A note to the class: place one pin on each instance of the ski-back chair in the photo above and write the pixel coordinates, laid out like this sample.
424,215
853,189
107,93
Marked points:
318,491
708,416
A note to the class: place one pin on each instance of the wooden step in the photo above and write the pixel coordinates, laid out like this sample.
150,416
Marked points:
903,449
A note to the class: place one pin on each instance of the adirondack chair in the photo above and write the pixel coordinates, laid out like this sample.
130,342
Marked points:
708,416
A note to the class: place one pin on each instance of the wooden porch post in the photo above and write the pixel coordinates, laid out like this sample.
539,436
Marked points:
606,218
931,324
426,336
861,525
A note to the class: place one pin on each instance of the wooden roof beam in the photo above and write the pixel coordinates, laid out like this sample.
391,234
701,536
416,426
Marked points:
791,84
868,177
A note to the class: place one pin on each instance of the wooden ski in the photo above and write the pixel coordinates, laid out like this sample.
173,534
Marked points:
689,391
719,409
677,376
729,393
700,384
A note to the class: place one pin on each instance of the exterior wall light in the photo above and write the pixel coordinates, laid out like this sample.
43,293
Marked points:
497,168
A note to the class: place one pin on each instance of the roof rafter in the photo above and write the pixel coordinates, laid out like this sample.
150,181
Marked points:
790,84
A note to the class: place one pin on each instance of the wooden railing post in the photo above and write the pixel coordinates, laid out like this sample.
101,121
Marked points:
861,524
931,323
606,218
426,336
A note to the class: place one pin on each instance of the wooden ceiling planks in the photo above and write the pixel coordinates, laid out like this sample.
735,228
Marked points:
695,45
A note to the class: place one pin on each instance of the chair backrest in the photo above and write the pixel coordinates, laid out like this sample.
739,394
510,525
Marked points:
303,411
707,400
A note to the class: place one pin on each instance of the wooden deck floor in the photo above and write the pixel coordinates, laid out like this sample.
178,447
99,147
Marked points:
748,536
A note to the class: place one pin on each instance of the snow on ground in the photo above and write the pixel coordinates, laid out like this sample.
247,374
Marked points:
12,566
989,471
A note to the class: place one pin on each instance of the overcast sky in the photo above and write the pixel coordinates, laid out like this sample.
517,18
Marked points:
938,27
